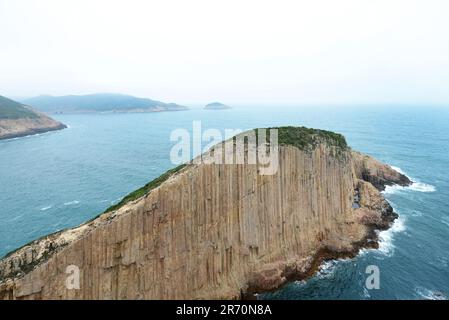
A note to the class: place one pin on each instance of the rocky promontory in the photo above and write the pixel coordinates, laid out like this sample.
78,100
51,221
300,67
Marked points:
18,120
209,231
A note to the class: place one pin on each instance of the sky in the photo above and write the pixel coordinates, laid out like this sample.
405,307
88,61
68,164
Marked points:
236,52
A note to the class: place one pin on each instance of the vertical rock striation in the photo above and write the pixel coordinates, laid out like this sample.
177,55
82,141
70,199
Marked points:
215,231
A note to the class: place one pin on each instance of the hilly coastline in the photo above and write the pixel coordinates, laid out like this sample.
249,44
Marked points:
205,231
18,120
102,102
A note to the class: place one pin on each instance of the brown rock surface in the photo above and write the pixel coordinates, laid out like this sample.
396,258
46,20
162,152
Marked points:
213,231
377,173
18,120
13,128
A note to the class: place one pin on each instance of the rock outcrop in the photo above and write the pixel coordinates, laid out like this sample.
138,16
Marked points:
216,230
17,120
376,173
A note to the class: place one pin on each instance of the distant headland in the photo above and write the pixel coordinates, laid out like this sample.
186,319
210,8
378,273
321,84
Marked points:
18,120
99,102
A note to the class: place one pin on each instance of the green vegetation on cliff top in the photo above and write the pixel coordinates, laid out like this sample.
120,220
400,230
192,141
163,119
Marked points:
146,188
10,109
303,138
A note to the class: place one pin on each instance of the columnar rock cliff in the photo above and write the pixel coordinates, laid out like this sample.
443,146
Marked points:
215,231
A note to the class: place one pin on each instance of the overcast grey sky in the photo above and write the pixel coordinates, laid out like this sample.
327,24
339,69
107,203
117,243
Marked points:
249,52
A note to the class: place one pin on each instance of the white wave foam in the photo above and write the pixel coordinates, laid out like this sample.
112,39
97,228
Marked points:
398,170
327,268
386,237
46,208
416,185
422,187
386,245
430,294
364,251
71,203
392,189
300,282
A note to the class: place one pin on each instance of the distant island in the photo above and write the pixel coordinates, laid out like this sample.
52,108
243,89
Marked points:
18,120
216,106
100,102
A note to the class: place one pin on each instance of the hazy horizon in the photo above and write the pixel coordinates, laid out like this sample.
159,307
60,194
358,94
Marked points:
253,52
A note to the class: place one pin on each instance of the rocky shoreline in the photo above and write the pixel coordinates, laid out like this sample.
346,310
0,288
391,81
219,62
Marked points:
288,275
32,131
18,120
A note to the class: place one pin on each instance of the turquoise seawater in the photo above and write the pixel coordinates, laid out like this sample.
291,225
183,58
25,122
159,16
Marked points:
61,179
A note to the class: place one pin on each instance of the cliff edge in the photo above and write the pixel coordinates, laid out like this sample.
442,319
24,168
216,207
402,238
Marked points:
208,231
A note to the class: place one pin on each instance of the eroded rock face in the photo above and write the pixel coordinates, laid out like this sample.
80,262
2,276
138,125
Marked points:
377,173
214,231
13,128
374,209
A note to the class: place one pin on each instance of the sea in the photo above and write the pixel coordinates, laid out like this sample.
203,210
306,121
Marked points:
61,179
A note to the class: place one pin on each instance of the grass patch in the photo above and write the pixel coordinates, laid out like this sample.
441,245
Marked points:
10,109
306,138
146,188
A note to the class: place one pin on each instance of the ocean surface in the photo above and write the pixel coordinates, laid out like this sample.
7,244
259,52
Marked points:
61,179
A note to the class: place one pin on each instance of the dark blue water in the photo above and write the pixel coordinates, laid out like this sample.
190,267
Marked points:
61,179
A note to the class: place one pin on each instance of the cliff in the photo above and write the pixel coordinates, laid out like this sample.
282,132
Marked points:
216,231
18,120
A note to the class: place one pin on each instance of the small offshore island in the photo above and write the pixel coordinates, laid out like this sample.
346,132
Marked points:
217,231
18,120
217,106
